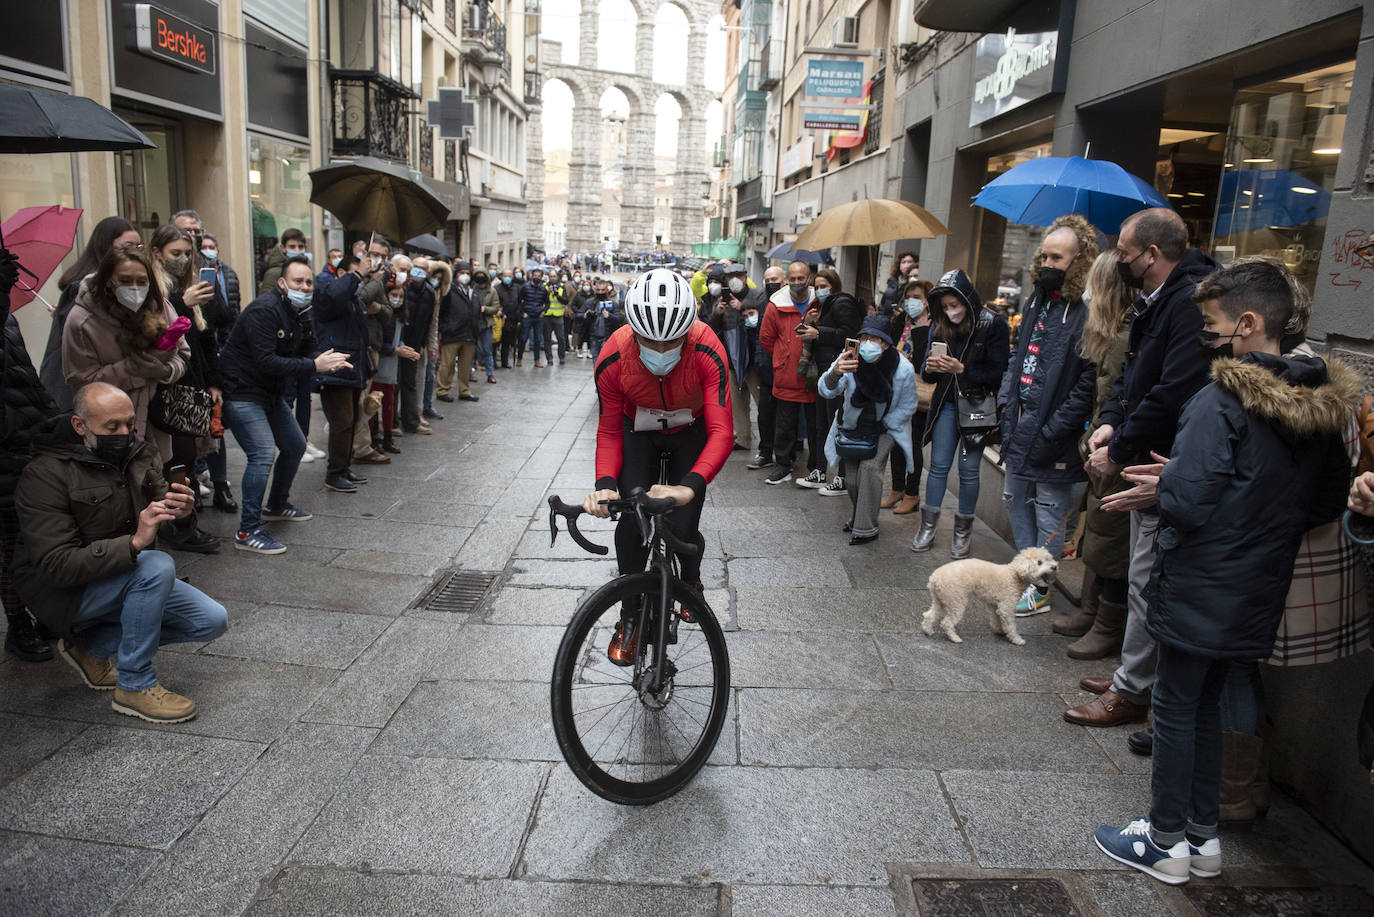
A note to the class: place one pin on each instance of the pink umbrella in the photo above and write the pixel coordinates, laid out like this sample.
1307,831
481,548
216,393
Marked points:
40,237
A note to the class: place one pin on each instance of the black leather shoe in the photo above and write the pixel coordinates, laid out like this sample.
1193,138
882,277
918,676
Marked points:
224,498
1141,743
391,447
467,398
447,399
355,477
22,642
862,539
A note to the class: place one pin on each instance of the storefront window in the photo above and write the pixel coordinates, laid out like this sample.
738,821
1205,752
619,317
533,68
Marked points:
37,181
1280,168
279,183
1001,269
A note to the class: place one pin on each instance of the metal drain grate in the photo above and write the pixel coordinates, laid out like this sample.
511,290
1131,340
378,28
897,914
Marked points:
1001,897
458,591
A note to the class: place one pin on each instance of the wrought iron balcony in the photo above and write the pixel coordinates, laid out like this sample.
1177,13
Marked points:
451,15
426,148
770,64
450,160
533,89
874,136
484,34
370,115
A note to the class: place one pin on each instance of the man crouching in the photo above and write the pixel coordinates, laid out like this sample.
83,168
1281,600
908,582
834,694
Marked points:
88,519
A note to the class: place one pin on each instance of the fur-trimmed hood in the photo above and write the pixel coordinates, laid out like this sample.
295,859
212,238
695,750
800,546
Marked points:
1076,277
1305,395
445,273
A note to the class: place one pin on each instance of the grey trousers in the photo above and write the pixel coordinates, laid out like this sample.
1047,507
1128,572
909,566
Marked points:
864,481
1134,678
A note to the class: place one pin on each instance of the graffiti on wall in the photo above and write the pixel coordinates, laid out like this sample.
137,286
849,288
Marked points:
1353,253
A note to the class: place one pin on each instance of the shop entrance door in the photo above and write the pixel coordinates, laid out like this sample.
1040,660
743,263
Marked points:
150,180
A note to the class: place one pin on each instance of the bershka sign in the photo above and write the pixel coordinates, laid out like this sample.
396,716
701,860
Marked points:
172,39
1010,70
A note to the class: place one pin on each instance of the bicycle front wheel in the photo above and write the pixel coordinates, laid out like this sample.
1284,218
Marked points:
632,734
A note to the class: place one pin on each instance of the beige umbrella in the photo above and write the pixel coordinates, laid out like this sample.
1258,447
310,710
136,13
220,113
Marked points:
869,222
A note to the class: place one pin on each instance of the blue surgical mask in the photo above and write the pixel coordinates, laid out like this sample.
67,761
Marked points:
914,306
660,364
751,322
870,351
300,299
432,283
210,254
519,276
417,274
822,293
336,262
506,281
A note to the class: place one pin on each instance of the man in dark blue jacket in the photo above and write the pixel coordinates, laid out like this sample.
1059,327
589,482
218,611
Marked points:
534,302
1047,397
340,317
271,342
1164,368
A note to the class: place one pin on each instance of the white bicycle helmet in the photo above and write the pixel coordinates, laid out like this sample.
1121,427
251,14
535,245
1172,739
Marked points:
660,305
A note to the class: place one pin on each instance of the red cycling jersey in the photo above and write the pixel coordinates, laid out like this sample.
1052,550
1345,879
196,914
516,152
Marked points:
699,383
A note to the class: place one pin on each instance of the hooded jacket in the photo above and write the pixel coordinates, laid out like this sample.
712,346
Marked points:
1164,367
1040,438
983,350
784,348
1260,458
80,514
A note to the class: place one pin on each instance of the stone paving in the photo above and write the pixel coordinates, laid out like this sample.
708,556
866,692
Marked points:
354,755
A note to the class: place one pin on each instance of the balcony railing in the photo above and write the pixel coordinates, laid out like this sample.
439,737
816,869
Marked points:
426,148
749,202
370,115
482,27
451,15
533,90
770,64
450,160
873,138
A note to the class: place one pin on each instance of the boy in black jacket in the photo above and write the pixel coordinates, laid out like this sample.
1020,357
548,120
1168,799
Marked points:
1258,460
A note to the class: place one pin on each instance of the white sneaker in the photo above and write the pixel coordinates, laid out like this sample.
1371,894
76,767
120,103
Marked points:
313,451
1206,861
835,488
815,481
307,458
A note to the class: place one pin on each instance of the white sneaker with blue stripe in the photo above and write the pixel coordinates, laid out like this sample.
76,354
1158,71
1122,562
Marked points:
287,513
1133,846
1206,862
259,542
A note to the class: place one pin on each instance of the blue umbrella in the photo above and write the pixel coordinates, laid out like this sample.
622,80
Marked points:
1040,190
1259,198
783,252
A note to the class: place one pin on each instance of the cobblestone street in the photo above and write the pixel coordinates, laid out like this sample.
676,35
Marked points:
355,754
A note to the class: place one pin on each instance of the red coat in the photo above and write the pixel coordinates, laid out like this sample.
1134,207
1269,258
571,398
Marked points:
778,339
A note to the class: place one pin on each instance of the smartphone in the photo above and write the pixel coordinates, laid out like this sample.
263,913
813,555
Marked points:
800,326
207,275
177,474
851,344
939,349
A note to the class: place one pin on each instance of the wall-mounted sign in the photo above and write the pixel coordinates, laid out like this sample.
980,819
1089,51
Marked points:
173,39
836,79
833,121
798,156
1010,70
806,212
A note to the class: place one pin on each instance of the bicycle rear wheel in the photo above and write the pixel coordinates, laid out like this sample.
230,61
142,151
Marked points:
625,742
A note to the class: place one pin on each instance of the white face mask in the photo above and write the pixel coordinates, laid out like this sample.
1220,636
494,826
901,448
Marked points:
736,285
131,297
464,278
209,254
713,289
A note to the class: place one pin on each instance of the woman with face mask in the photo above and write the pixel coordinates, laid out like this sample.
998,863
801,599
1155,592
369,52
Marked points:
112,334
875,388
836,320
905,264
967,354
911,332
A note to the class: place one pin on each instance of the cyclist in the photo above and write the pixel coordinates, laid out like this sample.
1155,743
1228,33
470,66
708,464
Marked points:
663,387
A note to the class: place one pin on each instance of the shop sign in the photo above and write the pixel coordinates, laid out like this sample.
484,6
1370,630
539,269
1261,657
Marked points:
1010,70
836,79
806,212
798,156
833,121
173,39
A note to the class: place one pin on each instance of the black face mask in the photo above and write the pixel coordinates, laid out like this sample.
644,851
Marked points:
1051,279
1123,270
771,288
799,291
112,447
1206,340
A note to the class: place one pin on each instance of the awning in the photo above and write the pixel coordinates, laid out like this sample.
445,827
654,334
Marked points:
963,16
720,249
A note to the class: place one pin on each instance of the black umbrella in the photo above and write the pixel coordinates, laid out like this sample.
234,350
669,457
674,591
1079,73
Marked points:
43,121
428,244
370,195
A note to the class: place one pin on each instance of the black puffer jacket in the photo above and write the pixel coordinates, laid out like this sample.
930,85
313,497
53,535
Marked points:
420,307
202,369
510,295
984,351
341,325
1259,460
841,317
460,314
269,344
1164,367
24,405
1040,439
51,369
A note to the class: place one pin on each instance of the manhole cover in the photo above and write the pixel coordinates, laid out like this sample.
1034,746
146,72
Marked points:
1261,901
993,898
461,590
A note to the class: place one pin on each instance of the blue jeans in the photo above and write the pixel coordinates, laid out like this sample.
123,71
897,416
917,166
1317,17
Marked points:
1185,782
945,441
134,613
485,356
261,433
1037,509
531,335
1243,706
431,370
217,463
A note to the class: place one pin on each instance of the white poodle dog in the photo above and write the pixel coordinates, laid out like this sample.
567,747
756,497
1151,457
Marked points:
997,585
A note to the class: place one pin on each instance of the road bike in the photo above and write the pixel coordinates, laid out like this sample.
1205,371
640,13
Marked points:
637,734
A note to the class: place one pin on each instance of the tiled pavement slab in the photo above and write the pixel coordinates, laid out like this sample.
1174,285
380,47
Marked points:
357,755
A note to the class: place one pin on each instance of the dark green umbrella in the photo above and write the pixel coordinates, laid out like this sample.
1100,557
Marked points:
370,195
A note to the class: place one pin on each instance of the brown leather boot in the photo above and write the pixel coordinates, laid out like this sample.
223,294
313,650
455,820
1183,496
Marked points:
1079,623
1241,754
910,503
892,499
1105,636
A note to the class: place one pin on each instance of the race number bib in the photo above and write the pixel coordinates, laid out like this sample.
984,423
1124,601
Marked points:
648,420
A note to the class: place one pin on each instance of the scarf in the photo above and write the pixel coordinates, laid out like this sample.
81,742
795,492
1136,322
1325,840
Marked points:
873,381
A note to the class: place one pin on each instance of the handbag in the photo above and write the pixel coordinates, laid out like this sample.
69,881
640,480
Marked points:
977,413
859,442
181,410
925,393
